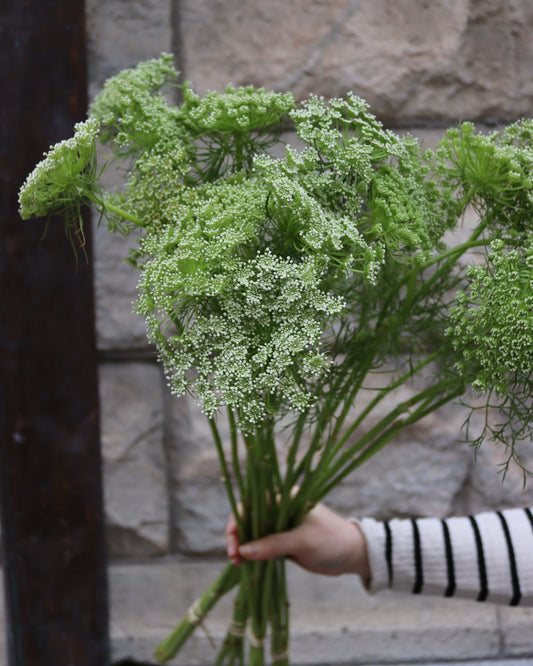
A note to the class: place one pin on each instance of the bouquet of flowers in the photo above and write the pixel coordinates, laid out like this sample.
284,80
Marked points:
273,286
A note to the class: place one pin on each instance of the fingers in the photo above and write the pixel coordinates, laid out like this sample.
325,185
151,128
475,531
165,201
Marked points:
232,541
324,542
266,548
273,545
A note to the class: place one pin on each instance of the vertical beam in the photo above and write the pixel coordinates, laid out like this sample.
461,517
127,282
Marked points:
50,476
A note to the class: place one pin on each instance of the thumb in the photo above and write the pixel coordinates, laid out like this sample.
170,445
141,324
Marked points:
266,548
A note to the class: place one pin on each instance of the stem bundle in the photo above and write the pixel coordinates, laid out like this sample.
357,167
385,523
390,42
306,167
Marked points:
275,286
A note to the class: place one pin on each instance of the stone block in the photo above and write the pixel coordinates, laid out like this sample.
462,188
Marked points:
418,473
135,471
411,60
121,33
332,619
338,619
268,44
118,327
404,479
516,626
201,507
490,488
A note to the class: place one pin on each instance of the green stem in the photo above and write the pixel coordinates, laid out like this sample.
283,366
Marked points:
254,571
372,448
252,492
325,415
279,614
120,212
449,257
353,376
254,580
238,151
235,452
225,476
456,251
285,498
223,584
232,650
401,408
348,401
382,394
273,457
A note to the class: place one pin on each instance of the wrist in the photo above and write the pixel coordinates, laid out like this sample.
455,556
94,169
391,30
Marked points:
359,562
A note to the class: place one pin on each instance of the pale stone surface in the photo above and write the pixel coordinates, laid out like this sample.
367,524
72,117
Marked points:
117,325
115,282
121,33
201,507
489,489
253,42
332,619
405,479
516,627
135,476
409,59
419,473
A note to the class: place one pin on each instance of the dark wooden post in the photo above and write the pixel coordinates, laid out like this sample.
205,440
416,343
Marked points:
52,525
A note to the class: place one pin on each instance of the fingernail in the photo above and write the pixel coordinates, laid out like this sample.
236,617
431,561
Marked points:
231,551
248,550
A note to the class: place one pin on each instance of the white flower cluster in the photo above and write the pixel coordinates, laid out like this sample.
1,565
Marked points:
259,341
237,109
248,273
199,245
492,325
493,170
302,204
259,273
66,174
372,174
132,110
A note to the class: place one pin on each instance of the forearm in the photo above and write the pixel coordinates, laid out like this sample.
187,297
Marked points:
484,557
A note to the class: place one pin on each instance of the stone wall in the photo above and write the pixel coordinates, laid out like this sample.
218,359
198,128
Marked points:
422,65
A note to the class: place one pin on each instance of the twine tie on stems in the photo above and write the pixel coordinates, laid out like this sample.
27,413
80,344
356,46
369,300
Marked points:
237,629
280,656
193,615
256,641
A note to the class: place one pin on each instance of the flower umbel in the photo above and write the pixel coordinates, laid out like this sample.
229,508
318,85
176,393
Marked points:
65,180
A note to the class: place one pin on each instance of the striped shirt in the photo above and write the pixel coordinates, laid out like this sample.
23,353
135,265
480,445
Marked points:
486,557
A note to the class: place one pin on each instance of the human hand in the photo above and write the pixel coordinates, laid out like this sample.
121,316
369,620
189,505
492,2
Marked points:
323,543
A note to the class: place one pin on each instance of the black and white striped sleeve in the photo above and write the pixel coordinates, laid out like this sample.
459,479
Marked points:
487,557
